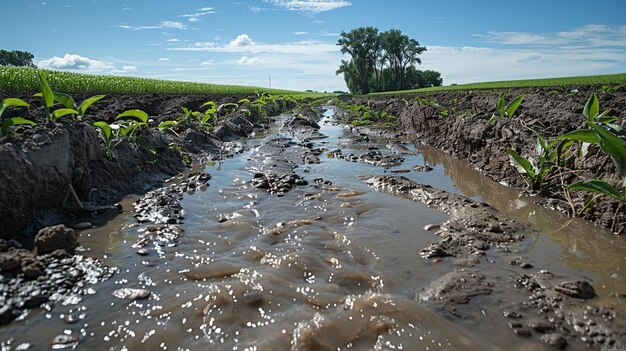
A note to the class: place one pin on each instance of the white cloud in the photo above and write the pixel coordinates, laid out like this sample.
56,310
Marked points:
300,33
207,63
200,12
594,35
164,59
173,40
75,62
310,6
173,24
160,25
245,60
481,64
129,68
257,9
243,44
241,41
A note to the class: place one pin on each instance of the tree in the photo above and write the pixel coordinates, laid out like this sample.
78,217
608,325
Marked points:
362,45
16,58
382,62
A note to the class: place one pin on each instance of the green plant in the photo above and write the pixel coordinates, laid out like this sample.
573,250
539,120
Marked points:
70,105
133,121
444,112
168,125
109,140
14,121
508,110
536,170
47,96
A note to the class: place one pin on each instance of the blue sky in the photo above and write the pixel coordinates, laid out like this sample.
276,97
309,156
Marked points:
243,42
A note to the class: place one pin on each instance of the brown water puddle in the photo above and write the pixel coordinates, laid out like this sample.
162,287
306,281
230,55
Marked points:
574,242
321,267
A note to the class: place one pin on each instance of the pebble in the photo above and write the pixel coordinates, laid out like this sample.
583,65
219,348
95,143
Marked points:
554,340
82,226
62,341
71,318
540,325
132,294
143,252
432,227
526,265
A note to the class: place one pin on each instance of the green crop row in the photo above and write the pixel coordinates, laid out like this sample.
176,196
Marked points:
608,79
26,79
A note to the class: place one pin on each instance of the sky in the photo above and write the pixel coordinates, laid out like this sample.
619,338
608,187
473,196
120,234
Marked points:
245,42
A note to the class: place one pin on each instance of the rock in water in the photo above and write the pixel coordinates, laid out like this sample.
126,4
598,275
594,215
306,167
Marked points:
132,294
56,237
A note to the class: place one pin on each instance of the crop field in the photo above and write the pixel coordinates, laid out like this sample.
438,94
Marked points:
608,79
25,79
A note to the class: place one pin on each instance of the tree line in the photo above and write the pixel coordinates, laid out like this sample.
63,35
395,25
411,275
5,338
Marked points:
383,61
16,58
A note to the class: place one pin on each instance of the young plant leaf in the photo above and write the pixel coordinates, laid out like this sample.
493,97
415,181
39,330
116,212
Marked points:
12,102
166,124
63,112
522,164
614,146
82,109
583,135
592,108
209,103
106,129
46,92
61,98
15,121
513,105
137,114
598,186
500,105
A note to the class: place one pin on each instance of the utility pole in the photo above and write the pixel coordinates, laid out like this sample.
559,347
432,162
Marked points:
270,78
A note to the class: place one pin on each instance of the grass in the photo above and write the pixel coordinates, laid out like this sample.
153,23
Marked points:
25,79
607,79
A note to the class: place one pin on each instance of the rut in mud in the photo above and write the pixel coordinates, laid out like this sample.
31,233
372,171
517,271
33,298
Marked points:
308,240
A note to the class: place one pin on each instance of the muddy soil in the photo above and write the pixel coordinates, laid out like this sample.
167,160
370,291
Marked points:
47,170
456,122
287,251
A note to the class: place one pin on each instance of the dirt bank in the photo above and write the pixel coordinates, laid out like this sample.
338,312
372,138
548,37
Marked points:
55,165
457,122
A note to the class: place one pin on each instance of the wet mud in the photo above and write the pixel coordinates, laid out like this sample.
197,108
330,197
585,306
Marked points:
290,244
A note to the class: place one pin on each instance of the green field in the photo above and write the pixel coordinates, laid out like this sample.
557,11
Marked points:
608,79
22,79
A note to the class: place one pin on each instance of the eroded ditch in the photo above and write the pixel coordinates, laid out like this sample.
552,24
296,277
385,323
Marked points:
290,245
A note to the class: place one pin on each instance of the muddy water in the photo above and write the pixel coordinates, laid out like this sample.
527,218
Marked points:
588,250
328,265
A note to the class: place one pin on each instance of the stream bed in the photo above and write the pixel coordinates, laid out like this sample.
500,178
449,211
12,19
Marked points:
320,260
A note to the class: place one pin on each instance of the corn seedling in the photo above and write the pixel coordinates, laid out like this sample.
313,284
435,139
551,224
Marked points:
536,170
189,116
70,105
47,96
109,140
168,125
506,111
610,137
14,121
135,120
